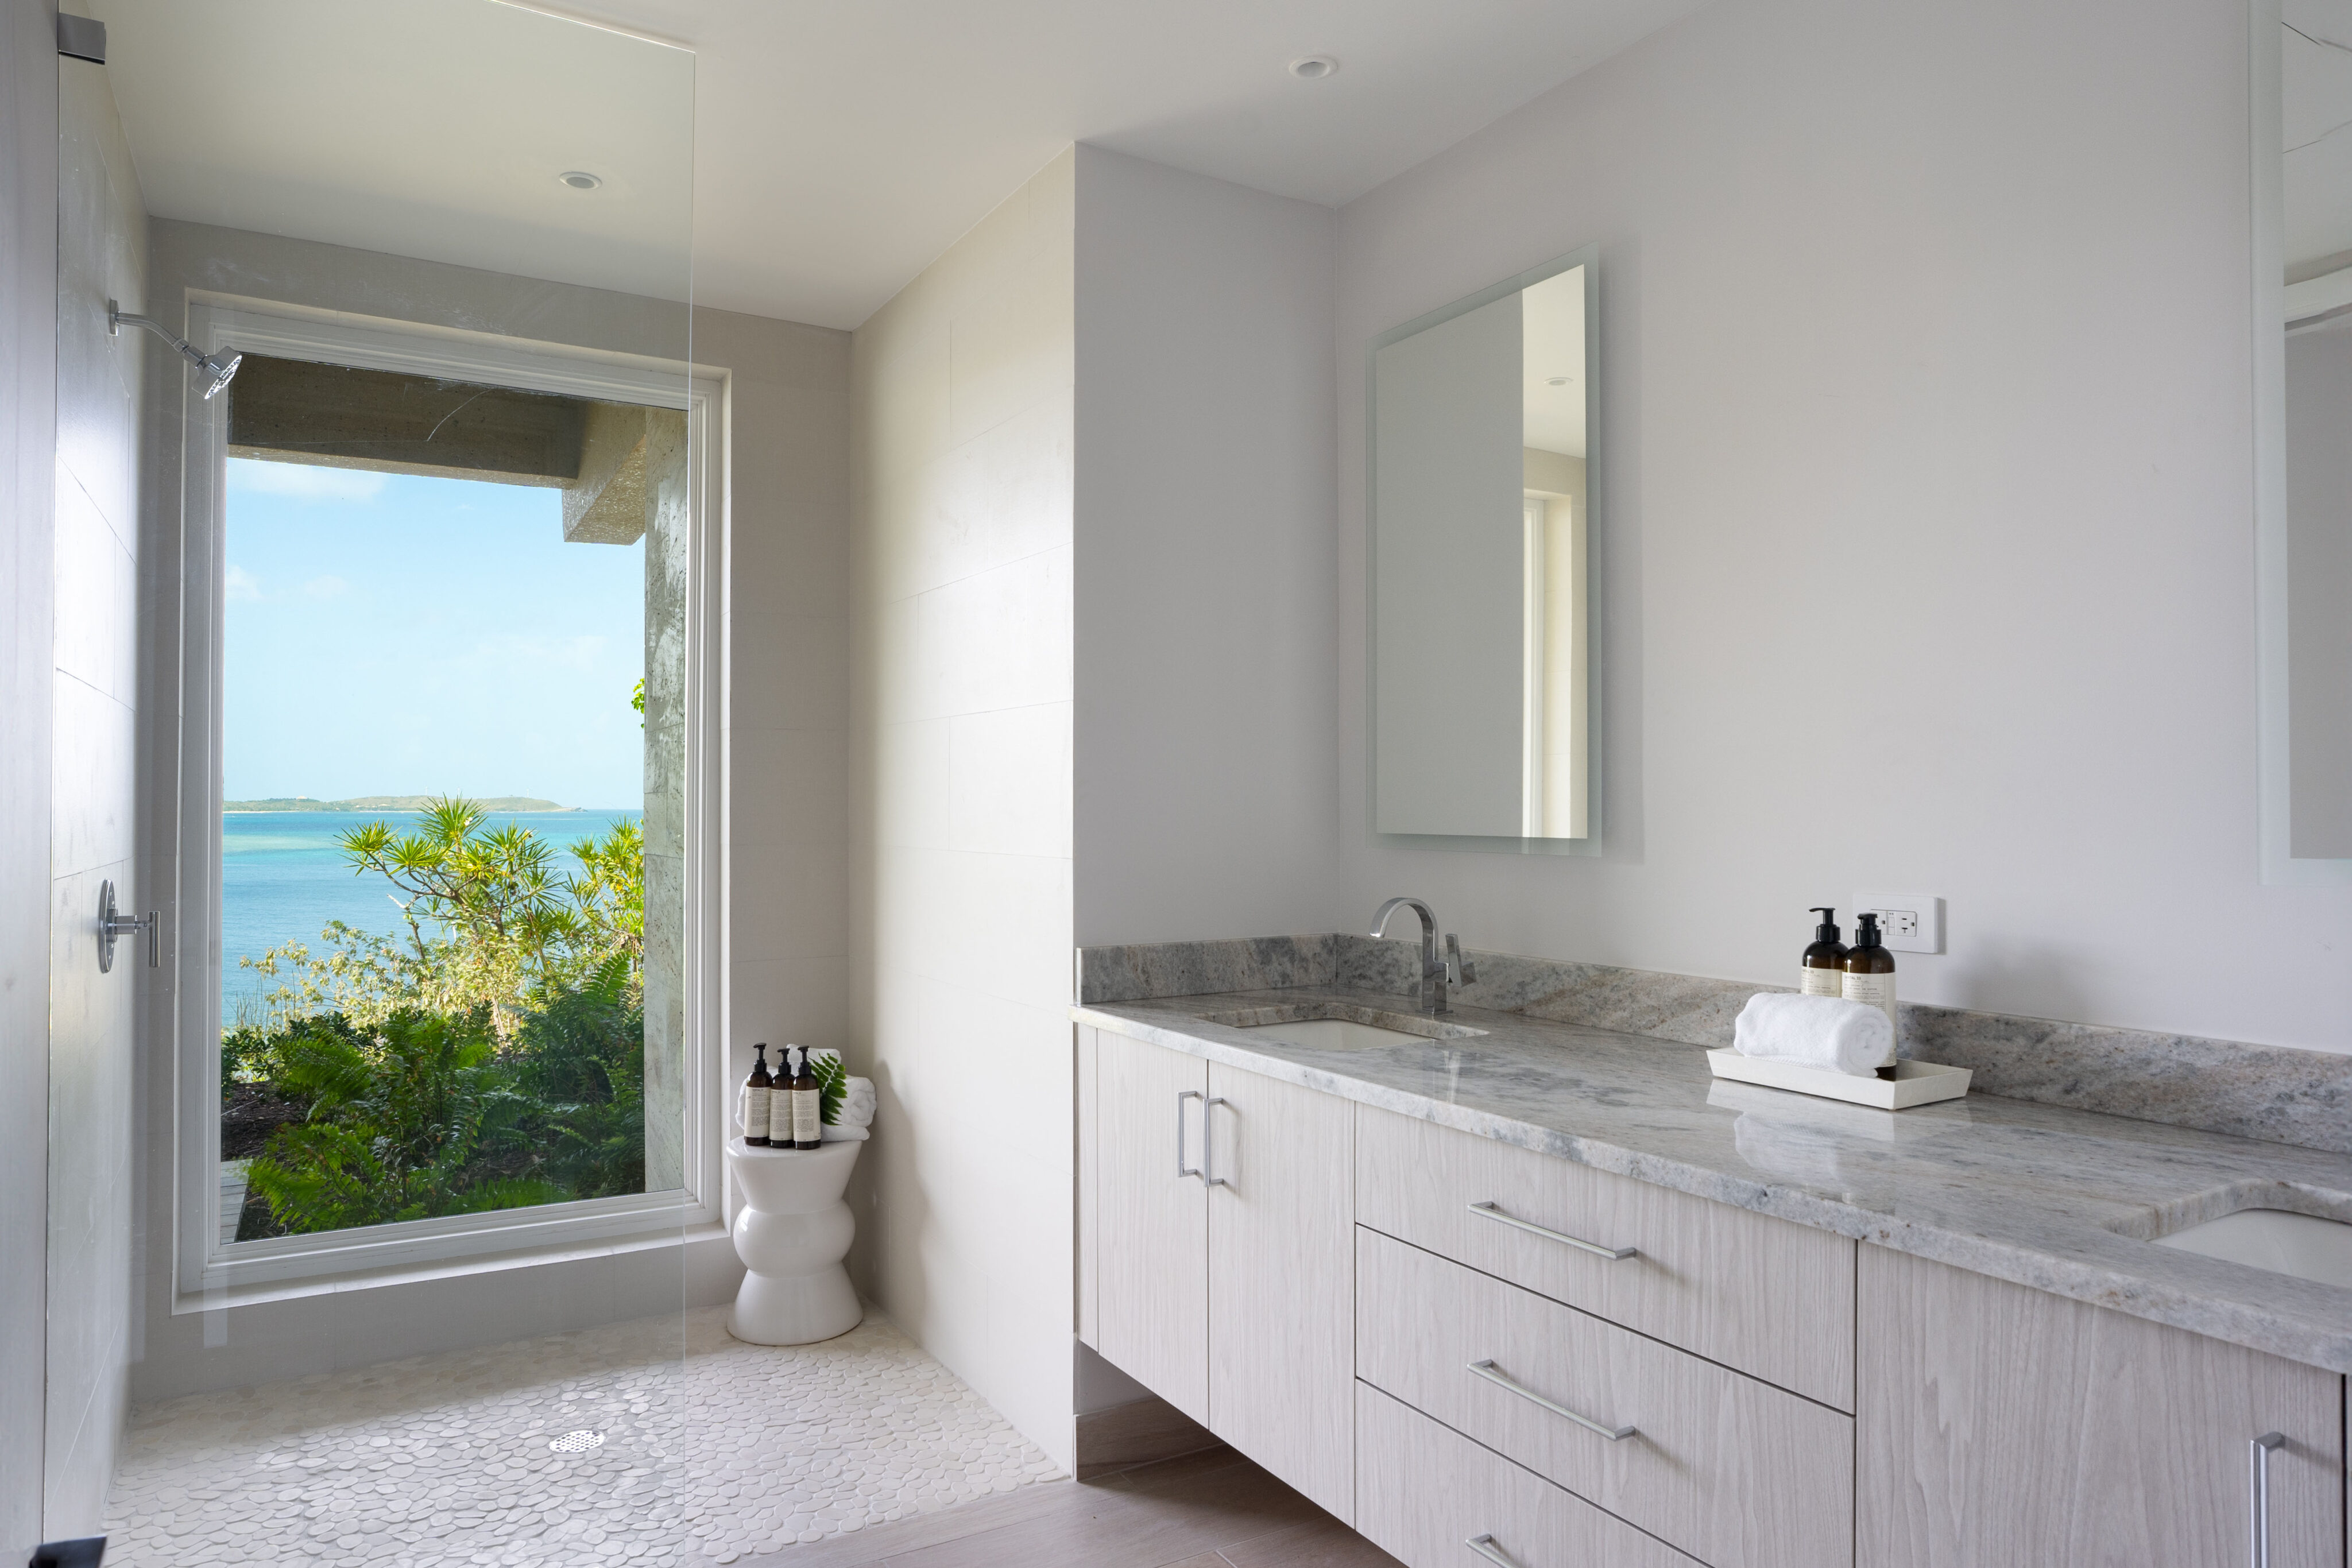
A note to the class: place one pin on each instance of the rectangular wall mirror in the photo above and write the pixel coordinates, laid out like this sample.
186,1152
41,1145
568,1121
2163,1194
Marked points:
1483,689
2303,183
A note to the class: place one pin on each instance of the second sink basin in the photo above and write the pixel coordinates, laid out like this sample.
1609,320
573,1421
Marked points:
2303,1245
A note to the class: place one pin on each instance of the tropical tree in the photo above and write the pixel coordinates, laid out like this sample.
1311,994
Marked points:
492,922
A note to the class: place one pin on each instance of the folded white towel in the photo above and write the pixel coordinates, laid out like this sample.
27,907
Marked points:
1831,1032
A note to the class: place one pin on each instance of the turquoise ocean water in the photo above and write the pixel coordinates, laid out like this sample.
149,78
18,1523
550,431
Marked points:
282,879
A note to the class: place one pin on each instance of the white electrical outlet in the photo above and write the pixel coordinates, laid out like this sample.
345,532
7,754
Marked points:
1908,921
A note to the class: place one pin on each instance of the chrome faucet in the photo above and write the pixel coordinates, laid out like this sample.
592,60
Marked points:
1430,990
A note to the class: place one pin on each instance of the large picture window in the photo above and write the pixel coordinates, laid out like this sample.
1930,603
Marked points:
455,801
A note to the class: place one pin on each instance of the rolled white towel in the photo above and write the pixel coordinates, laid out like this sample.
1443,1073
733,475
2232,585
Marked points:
1852,1038
854,1119
858,1104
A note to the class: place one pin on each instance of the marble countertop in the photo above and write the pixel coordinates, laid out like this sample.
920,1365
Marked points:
2039,1195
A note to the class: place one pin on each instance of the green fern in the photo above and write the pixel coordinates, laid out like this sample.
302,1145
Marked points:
832,1086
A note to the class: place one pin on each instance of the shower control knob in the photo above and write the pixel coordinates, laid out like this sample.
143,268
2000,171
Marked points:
113,926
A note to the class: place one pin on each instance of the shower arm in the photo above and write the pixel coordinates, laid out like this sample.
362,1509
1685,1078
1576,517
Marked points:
219,370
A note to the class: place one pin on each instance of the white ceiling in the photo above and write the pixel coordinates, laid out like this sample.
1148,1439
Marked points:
840,145
429,128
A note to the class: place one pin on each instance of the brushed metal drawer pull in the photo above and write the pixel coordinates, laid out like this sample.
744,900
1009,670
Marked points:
1492,1373
1183,1170
1615,1254
2260,1457
1483,1545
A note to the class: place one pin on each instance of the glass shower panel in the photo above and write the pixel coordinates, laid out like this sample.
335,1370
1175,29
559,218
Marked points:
426,777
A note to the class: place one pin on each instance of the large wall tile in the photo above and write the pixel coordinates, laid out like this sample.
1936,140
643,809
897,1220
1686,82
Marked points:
998,639
97,628
1008,780
90,821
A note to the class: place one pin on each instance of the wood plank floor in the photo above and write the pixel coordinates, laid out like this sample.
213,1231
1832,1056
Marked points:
1214,1509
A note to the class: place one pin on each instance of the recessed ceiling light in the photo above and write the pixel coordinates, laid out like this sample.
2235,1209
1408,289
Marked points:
1313,67
580,179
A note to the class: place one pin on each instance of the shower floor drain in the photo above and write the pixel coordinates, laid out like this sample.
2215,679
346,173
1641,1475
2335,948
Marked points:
577,1442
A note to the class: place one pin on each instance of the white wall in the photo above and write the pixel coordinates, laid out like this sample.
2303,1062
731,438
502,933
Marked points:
785,949
961,879
1923,515
101,254
1207,757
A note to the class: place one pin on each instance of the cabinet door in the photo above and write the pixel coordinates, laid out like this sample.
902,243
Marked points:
1282,1282
1999,1426
1151,1313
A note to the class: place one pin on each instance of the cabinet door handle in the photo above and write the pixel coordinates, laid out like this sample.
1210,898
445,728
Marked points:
1483,1545
1208,1133
1183,1170
1492,1373
2259,1460
1614,1254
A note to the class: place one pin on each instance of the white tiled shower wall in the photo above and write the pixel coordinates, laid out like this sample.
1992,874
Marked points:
962,395
101,254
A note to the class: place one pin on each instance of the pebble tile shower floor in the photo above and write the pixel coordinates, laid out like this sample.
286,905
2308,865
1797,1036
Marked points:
732,1451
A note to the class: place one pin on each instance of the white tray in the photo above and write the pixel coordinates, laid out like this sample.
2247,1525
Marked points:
1914,1083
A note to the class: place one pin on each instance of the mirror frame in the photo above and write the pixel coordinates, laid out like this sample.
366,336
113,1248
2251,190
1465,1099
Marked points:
1595,557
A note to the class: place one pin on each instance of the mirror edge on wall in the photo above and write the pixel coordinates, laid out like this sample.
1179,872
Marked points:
1596,551
2275,815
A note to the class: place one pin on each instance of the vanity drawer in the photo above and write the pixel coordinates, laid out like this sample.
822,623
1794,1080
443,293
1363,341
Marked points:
1761,1294
1423,1492
1734,1471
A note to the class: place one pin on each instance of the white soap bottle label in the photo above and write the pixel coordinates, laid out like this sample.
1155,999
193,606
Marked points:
808,1115
755,1112
1819,983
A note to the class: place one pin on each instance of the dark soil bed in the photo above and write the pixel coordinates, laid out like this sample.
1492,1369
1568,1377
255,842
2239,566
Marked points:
249,1113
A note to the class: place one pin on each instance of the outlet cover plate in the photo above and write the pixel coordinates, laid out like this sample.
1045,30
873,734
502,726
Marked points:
1908,921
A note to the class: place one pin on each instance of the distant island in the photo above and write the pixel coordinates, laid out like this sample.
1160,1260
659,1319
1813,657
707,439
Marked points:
388,803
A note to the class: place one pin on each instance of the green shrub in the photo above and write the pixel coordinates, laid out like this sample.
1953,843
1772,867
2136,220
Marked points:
419,1119
583,1062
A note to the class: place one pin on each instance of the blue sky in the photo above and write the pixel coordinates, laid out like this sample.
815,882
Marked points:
395,635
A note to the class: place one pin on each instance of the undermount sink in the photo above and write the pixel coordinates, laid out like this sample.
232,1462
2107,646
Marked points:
1335,1034
2303,1245
1332,1026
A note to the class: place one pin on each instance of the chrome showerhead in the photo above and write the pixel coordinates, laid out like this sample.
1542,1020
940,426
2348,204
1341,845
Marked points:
219,369
222,372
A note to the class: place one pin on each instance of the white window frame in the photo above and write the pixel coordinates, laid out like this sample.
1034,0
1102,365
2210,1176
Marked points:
209,1274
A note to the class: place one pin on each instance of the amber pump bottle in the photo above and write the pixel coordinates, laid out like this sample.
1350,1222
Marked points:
807,1105
758,1102
1870,977
1821,971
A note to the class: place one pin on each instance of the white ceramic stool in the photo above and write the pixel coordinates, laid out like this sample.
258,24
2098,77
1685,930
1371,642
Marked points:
791,1233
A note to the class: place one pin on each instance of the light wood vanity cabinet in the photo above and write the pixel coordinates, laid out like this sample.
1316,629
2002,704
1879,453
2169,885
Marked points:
1222,1278
2001,1425
1314,1281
